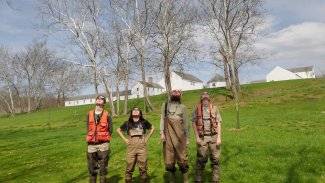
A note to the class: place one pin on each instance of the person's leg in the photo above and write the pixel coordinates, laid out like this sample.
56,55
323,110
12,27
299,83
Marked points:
130,162
169,160
182,158
92,161
142,162
214,159
103,164
201,160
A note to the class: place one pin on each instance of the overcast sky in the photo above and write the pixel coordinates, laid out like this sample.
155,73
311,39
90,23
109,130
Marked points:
295,35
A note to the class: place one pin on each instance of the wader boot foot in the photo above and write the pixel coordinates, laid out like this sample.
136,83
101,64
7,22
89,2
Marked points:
215,176
143,180
102,179
185,177
92,179
172,178
198,175
128,180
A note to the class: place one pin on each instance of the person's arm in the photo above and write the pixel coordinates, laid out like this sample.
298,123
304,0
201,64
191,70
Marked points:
162,121
120,133
87,123
152,129
186,126
110,124
194,120
219,120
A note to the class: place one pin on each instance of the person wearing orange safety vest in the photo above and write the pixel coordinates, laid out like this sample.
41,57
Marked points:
207,129
99,130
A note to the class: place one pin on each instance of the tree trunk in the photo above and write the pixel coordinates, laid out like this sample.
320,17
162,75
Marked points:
235,94
11,102
109,97
236,76
226,73
95,81
118,97
167,78
145,91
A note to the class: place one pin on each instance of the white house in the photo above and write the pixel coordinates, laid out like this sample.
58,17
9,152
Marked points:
90,99
216,81
280,74
183,81
153,89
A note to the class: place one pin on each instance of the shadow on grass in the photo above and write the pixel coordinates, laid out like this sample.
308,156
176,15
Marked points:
81,176
114,178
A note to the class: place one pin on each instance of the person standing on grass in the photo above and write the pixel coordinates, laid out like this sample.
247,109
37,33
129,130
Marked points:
174,132
136,127
99,130
207,129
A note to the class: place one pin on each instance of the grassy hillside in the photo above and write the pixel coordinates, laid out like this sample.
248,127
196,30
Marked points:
282,138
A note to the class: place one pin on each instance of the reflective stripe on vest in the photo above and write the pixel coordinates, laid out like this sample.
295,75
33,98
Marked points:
200,124
99,132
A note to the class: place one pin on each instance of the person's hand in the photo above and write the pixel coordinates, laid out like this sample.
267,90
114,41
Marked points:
127,141
187,142
145,140
198,141
218,141
162,138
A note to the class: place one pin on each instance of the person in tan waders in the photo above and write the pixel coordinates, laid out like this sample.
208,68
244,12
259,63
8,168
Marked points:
99,130
174,132
207,129
136,127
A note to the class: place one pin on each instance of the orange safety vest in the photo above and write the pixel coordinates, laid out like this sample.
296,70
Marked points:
200,124
99,132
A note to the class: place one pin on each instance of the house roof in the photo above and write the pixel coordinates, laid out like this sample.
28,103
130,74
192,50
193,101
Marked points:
188,77
301,69
152,85
216,78
93,96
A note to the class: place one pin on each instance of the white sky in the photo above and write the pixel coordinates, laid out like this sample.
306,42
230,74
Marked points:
295,35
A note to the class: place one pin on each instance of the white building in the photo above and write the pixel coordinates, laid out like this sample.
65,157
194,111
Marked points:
280,74
183,81
153,89
90,99
216,81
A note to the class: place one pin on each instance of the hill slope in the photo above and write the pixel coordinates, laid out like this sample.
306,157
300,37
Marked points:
281,140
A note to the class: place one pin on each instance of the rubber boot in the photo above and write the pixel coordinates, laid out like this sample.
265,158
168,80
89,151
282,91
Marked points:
102,179
185,177
215,175
92,179
172,178
198,176
128,180
143,180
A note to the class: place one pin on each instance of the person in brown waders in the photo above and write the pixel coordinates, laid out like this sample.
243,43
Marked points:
207,129
99,130
174,132
136,127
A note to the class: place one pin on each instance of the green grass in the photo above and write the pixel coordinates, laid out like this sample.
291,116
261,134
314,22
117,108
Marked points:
282,139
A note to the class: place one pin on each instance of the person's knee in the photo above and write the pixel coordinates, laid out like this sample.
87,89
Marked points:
170,167
183,167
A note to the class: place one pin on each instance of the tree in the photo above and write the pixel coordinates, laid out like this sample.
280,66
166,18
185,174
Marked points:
35,65
233,25
174,34
82,21
138,18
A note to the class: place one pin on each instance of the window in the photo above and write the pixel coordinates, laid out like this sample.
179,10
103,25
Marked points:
137,96
137,89
192,83
91,100
77,101
153,89
84,101
69,102
213,84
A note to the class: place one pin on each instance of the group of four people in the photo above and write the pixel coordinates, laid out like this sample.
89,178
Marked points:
174,133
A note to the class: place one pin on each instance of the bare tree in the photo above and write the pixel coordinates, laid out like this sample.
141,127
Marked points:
233,24
138,17
81,20
36,66
174,34
8,79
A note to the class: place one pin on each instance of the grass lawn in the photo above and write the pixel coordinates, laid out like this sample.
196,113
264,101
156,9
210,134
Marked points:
282,139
